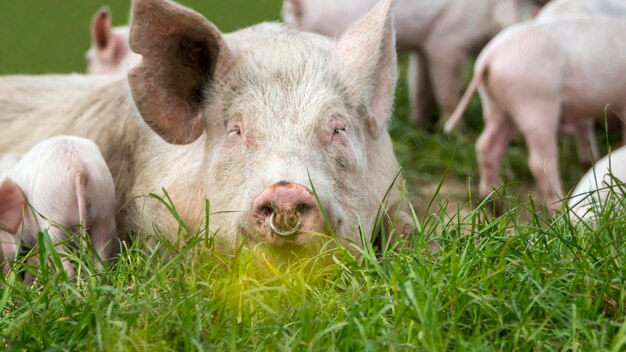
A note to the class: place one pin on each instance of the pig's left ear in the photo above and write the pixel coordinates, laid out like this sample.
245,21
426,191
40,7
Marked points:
12,206
101,29
183,54
365,59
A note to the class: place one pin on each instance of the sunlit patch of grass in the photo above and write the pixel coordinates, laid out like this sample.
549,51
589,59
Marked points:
492,282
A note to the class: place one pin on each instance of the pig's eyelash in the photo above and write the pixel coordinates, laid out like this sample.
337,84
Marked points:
234,128
339,130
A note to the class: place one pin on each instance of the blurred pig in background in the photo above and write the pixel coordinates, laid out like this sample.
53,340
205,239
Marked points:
440,34
110,52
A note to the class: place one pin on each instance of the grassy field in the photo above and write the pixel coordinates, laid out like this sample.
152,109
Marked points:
53,36
517,281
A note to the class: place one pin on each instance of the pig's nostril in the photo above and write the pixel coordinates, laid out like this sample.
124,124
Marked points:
266,210
286,227
303,208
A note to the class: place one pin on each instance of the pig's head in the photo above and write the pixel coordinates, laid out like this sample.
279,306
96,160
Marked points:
509,12
293,124
109,53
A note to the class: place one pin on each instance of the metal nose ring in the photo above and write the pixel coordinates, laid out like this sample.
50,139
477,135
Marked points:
285,233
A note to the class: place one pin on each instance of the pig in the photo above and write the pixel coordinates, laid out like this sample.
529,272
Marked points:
110,52
560,8
6,162
587,145
439,34
283,133
68,184
593,189
534,78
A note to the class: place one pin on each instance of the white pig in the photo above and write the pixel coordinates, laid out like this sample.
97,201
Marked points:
608,174
110,52
247,121
536,77
588,150
441,34
68,184
6,162
561,8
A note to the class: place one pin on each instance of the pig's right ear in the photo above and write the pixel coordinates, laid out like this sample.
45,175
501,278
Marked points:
12,206
101,29
183,54
296,8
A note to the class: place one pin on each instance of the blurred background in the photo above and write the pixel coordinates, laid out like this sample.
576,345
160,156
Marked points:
52,36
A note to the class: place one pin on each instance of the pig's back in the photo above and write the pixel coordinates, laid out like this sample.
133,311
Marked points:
585,50
598,178
52,171
595,54
560,8
567,8
7,162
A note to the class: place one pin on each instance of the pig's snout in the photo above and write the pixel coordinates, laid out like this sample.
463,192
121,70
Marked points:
286,209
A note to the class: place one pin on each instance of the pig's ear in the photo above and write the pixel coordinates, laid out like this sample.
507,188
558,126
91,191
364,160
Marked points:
183,53
365,59
101,30
296,8
12,206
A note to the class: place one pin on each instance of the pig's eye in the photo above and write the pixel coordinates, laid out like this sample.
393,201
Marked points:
234,129
338,133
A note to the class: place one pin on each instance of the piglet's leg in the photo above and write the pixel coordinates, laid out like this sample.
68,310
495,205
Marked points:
103,237
58,236
541,139
490,148
420,90
446,64
586,144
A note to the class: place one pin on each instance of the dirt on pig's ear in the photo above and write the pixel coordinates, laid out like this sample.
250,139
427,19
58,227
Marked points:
12,206
365,59
183,53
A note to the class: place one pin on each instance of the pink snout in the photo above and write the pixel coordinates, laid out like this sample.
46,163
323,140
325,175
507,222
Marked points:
285,210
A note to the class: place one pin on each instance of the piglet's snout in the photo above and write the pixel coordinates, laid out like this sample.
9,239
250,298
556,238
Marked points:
285,209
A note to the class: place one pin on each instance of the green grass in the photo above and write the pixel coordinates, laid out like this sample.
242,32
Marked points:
491,284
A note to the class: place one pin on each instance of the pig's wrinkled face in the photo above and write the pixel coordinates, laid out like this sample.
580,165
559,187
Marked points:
294,123
287,126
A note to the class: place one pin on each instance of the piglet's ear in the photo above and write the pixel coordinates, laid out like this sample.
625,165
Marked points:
296,8
365,59
101,30
183,53
12,206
